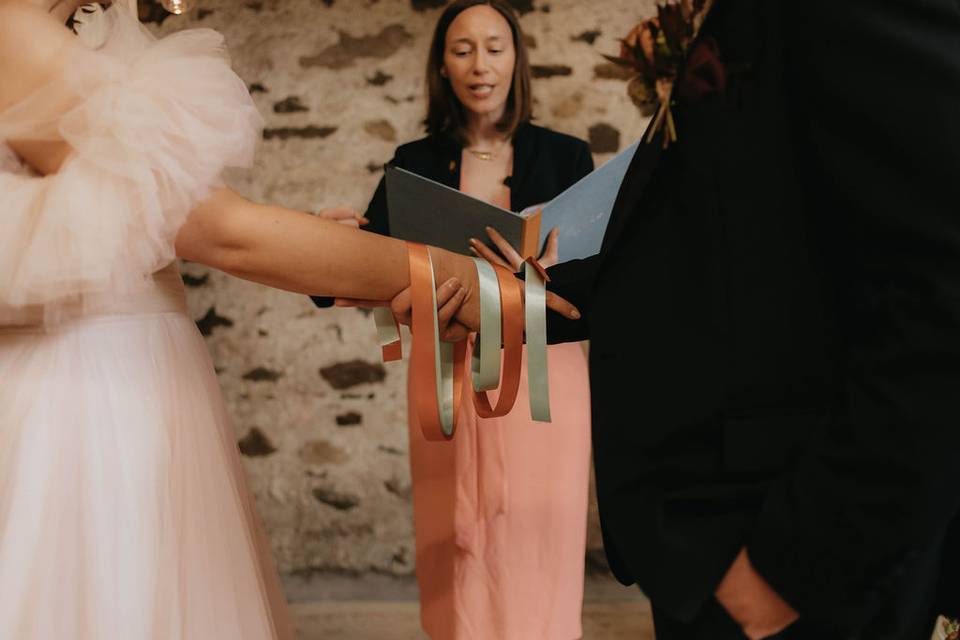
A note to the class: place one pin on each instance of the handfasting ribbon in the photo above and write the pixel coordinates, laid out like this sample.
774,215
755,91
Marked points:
437,368
388,332
511,302
535,279
486,348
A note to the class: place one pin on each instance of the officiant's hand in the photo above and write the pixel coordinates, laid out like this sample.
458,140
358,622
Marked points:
345,216
508,256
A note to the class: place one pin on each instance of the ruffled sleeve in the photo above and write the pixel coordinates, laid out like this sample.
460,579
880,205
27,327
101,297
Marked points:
153,124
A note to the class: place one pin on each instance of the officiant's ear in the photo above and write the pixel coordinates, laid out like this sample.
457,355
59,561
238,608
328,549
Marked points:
443,71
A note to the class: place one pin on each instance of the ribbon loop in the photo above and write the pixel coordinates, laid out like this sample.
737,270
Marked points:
536,319
438,369
486,348
388,333
511,303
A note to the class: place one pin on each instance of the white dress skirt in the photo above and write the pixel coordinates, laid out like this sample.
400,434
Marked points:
124,513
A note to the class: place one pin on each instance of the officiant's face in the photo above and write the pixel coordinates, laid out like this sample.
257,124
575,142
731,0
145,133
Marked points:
479,60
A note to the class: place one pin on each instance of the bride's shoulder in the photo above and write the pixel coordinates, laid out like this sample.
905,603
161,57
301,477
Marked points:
32,46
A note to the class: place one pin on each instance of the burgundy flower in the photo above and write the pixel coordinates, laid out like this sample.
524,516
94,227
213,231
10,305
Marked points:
705,73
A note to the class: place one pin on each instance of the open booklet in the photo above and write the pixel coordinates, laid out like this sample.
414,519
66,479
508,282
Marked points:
425,211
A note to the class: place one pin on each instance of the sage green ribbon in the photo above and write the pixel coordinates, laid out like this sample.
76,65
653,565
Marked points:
486,348
535,312
444,367
388,332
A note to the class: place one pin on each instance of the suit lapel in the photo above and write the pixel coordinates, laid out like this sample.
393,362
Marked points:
638,175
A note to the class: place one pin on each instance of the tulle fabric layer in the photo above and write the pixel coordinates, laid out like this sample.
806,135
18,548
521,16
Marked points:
123,510
153,123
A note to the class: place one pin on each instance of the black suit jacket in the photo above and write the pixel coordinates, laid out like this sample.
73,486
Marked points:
775,323
545,163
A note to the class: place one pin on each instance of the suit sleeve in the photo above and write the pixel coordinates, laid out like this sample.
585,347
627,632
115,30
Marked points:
878,487
379,221
573,281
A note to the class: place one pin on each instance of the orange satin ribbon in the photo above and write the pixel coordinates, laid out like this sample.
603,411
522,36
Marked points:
511,305
426,361
429,359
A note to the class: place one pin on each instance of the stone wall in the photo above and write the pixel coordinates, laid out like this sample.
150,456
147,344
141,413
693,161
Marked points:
320,422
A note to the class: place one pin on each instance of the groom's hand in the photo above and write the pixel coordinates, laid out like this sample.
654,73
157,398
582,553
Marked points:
752,602
450,297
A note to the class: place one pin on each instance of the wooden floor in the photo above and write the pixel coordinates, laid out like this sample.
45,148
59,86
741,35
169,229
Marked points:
370,620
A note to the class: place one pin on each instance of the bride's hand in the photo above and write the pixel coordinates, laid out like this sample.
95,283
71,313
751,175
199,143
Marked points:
508,256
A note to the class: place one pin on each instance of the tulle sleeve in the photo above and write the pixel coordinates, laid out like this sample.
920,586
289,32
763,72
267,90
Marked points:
153,124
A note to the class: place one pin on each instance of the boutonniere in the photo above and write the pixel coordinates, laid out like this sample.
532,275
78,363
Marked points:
657,49
949,630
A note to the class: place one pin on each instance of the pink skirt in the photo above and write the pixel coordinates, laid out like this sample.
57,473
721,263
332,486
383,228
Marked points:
501,515
124,512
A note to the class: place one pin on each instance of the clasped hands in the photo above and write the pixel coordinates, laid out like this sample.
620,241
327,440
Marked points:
458,307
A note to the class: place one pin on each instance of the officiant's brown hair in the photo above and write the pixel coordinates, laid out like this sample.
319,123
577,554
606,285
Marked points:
445,113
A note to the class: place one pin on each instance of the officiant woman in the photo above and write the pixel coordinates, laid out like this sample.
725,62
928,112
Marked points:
500,510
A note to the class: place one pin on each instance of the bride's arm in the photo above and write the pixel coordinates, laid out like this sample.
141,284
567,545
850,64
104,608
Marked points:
303,253
292,250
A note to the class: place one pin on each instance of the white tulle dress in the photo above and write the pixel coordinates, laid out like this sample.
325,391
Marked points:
124,514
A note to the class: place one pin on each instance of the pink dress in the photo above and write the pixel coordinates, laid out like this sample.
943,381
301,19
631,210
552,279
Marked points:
124,511
500,515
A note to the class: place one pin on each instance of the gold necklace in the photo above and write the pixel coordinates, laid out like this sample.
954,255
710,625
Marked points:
490,153
486,156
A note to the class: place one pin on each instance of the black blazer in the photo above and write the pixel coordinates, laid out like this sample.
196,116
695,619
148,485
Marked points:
545,163
791,377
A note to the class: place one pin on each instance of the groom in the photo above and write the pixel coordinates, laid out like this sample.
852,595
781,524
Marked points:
775,333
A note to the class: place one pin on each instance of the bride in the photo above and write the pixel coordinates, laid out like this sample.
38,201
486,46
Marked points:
123,508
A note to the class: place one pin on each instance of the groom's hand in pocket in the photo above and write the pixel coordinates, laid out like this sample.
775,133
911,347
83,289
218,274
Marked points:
752,602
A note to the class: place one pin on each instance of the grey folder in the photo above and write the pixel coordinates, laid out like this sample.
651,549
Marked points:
425,211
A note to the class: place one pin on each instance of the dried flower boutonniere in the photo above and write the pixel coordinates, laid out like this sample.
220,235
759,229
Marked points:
949,629
655,50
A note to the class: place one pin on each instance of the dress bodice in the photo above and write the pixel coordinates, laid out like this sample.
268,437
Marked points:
162,293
